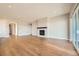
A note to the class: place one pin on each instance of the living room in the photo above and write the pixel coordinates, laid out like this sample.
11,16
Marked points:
38,29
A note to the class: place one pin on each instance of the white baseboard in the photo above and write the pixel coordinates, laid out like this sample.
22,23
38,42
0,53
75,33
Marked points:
58,38
52,37
23,34
4,36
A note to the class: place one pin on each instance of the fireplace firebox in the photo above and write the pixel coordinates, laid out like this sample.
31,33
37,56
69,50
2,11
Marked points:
42,32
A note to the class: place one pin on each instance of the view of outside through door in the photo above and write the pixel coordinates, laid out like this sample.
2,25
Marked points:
75,29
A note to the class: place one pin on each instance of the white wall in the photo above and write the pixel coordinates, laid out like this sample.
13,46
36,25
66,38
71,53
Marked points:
70,29
57,27
34,28
42,22
22,27
4,29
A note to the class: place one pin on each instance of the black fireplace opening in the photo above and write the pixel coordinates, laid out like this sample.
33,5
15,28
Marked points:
42,32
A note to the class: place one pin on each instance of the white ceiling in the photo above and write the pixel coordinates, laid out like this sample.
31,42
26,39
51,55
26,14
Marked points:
30,11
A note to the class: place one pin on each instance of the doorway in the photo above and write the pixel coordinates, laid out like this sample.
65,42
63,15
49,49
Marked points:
75,29
12,29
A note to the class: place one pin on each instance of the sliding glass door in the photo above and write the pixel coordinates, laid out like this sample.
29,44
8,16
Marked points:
75,29
78,27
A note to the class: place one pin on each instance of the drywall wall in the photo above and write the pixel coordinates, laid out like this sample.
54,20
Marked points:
22,27
42,22
70,29
58,27
4,29
34,28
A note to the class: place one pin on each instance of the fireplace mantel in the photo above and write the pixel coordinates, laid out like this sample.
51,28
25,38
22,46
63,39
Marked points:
41,27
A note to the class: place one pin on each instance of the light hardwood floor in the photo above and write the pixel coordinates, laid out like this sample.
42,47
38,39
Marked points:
35,46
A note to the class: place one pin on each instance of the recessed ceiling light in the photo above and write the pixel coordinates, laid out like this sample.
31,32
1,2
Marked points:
10,6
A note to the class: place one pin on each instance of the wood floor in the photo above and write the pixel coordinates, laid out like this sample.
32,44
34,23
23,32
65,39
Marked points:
34,46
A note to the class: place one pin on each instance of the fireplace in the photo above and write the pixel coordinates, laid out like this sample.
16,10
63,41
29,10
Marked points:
42,32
